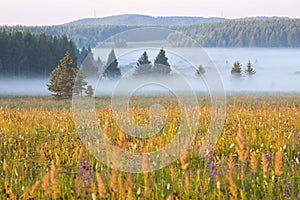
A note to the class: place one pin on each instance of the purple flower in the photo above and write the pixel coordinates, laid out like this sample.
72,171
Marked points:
212,165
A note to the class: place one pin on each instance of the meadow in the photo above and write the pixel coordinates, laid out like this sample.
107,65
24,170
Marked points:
256,157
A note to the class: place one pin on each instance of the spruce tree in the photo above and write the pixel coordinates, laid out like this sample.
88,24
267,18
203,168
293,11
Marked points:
144,66
161,65
249,69
112,71
236,69
62,78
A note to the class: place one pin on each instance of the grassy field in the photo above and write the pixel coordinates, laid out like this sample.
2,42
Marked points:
256,157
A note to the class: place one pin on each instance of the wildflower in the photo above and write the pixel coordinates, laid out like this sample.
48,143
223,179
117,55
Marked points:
218,184
168,186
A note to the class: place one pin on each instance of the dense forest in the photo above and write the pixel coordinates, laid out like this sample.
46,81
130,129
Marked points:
23,54
244,33
277,32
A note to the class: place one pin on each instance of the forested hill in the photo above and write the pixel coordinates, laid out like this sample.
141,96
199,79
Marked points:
144,20
257,32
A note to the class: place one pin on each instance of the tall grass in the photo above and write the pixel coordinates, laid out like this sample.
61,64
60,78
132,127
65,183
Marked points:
256,157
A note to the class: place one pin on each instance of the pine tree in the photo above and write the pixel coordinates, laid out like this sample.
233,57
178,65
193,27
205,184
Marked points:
144,66
249,69
62,78
236,69
112,71
161,65
89,91
200,70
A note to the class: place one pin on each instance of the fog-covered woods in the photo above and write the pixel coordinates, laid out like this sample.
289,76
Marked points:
278,32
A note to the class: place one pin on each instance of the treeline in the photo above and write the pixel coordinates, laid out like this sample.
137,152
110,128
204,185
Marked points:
230,33
241,33
81,35
23,54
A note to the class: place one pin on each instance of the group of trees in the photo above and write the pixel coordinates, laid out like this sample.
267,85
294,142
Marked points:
237,69
143,67
68,79
23,54
160,66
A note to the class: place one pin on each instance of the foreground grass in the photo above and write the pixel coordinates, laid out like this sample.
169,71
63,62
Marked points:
256,157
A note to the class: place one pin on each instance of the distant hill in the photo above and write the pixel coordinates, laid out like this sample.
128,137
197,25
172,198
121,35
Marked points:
132,19
199,31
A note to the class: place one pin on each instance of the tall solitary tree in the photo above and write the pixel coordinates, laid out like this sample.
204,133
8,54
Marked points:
236,69
144,66
161,65
62,78
112,71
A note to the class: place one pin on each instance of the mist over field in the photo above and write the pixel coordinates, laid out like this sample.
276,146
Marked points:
277,71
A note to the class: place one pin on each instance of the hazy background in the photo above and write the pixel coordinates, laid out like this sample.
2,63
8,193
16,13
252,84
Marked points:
46,12
276,71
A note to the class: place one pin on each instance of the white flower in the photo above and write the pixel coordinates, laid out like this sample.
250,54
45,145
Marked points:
218,184
138,191
231,146
168,186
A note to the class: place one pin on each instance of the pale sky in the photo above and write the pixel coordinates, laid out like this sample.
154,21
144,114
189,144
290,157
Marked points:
46,12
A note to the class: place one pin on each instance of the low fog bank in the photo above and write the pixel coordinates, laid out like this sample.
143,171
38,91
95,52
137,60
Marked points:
273,83
23,86
277,72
